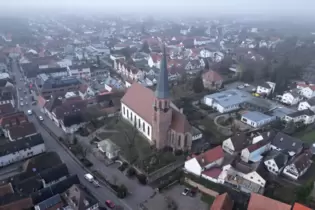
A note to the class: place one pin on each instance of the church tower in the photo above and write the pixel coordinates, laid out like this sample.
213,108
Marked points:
162,114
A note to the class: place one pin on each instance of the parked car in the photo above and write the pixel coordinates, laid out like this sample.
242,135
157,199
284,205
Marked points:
186,191
21,104
110,204
89,177
40,118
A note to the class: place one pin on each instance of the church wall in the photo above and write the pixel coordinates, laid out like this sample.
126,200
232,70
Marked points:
140,122
177,140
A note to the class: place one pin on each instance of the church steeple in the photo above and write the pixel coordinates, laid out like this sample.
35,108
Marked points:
162,89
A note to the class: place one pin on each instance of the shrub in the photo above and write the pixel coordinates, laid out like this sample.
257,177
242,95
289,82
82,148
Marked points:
142,179
131,172
122,191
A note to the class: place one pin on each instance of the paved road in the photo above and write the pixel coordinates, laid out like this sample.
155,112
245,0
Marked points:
102,193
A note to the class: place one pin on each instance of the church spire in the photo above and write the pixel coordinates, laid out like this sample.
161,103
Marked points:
162,89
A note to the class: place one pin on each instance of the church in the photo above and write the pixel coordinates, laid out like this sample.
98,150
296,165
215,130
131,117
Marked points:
155,116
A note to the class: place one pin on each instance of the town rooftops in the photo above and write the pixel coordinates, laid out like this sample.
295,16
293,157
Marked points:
230,97
15,202
287,143
279,157
303,161
222,202
6,189
61,82
297,206
256,116
6,109
22,144
22,130
239,141
50,202
210,156
260,202
306,112
212,76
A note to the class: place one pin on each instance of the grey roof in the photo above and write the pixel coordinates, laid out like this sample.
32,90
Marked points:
282,111
162,89
50,202
279,157
288,143
306,112
311,101
51,83
256,116
22,144
230,97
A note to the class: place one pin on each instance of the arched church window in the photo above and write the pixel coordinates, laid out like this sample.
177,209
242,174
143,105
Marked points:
186,140
143,127
179,139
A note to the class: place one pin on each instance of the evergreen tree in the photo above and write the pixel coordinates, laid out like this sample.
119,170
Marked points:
198,84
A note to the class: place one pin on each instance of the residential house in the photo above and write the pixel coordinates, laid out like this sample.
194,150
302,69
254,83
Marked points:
86,92
15,202
291,98
58,86
265,88
53,203
97,72
77,199
298,206
79,71
202,41
205,53
212,80
210,158
226,101
309,104
275,161
21,131
235,144
222,202
114,57
6,109
193,64
261,202
307,91
305,116
287,144
253,153
298,166
108,148
11,120
19,150
244,177
257,119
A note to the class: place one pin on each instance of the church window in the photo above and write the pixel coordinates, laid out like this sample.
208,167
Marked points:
143,127
124,111
127,113
131,116
135,120
179,139
139,123
148,130
160,104
165,104
185,140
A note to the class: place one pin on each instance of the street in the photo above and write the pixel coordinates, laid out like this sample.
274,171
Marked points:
102,193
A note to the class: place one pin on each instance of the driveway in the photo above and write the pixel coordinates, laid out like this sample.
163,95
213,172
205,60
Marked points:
185,202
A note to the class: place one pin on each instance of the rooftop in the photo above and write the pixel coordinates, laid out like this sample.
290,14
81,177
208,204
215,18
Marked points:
255,116
230,97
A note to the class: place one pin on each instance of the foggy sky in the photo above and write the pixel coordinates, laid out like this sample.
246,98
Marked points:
269,7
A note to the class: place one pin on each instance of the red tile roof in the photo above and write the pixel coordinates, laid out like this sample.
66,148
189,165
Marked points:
298,206
311,86
212,76
258,202
210,156
222,202
156,57
22,130
212,172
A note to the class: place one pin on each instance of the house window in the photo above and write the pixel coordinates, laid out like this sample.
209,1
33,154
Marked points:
186,140
135,120
148,130
179,139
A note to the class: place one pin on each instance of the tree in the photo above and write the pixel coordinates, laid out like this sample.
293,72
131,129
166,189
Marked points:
122,191
303,192
289,127
171,204
145,47
198,84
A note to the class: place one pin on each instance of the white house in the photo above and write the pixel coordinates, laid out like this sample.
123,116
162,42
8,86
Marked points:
206,53
265,88
15,151
256,119
298,166
108,148
306,116
308,91
291,98
209,159
235,143
155,60
79,71
275,161
309,104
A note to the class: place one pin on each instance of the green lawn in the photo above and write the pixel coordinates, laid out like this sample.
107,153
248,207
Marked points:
308,137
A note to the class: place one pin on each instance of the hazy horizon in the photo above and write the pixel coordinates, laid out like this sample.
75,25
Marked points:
198,7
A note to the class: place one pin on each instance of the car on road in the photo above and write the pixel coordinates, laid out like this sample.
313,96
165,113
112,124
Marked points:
240,86
186,191
110,204
21,104
29,112
40,118
21,99
26,103
89,177
33,102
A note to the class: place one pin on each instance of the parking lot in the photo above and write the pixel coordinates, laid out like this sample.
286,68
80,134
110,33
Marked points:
185,202
235,85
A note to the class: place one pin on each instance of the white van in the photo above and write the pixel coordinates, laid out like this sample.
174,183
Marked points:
89,177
